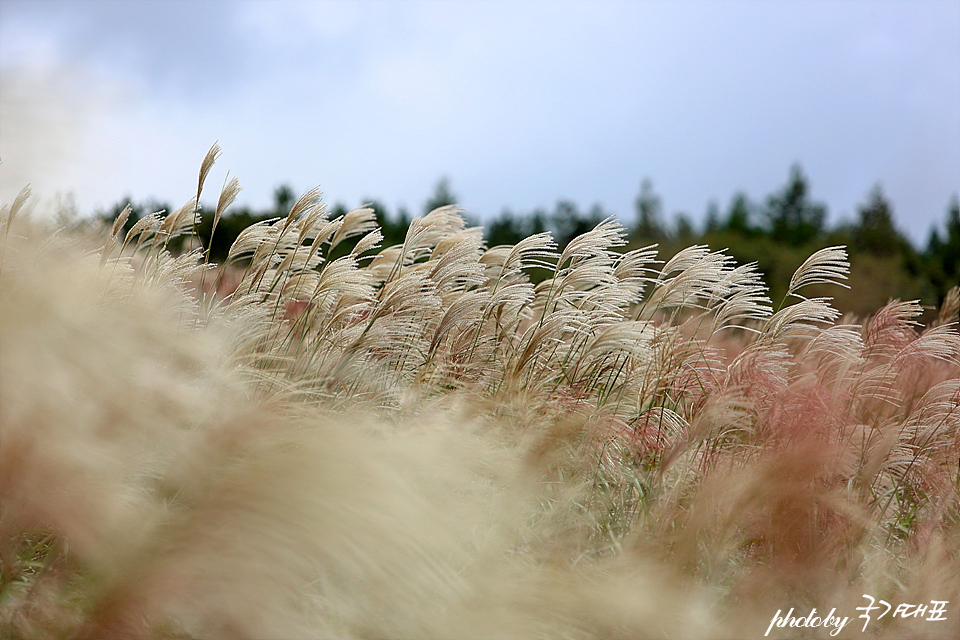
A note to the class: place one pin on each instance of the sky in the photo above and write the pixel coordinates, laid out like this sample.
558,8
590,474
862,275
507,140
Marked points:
517,103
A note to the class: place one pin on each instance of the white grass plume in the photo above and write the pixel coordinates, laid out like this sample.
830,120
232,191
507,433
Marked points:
199,512
826,266
422,443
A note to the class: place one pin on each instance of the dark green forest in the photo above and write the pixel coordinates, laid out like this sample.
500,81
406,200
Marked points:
778,233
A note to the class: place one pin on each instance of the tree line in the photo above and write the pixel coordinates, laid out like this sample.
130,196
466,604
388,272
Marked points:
777,233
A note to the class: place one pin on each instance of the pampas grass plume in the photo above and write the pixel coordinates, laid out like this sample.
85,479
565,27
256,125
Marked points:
421,443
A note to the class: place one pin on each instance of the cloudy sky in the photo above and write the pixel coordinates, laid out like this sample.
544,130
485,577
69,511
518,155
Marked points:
518,103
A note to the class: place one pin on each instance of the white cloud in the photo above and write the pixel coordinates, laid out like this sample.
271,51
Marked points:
520,103
46,110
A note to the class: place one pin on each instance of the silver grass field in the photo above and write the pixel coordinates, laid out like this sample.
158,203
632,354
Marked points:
416,441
